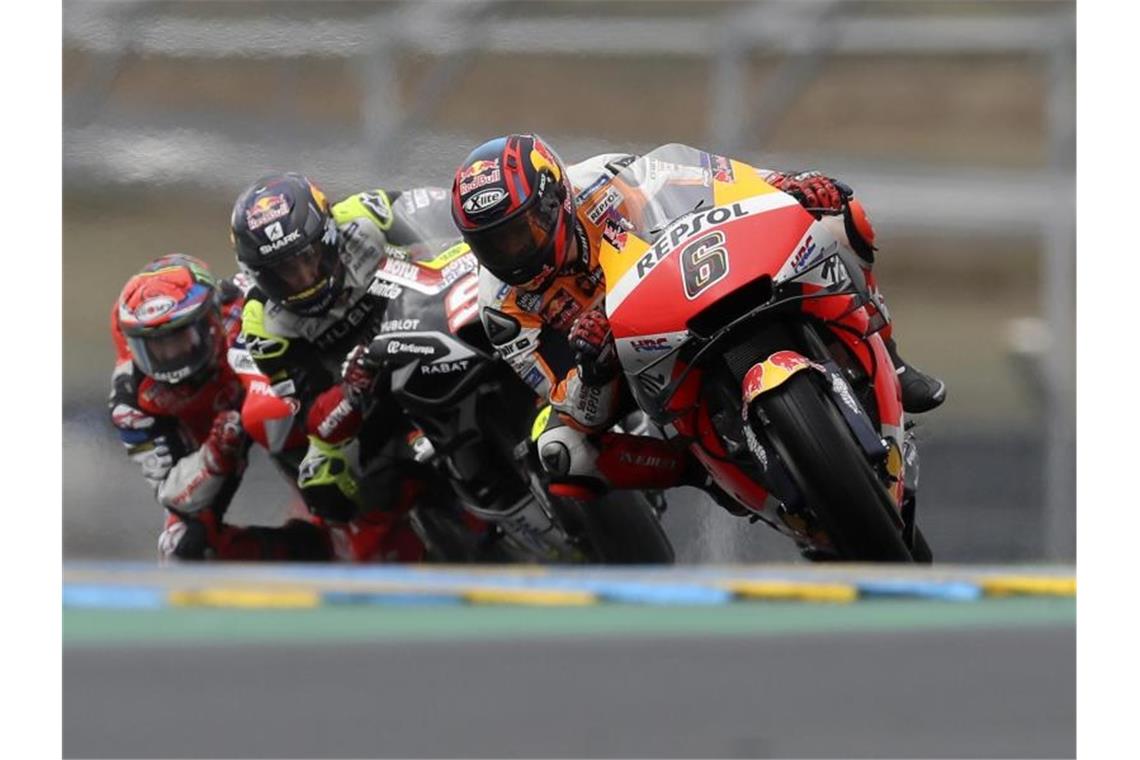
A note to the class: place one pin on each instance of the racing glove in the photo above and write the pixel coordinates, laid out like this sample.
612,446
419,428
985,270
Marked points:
594,350
336,414
818,193
225,446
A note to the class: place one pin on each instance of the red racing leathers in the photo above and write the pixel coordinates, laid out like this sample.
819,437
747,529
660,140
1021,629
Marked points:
189,442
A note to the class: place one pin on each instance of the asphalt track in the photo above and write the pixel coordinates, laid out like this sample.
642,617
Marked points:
880,678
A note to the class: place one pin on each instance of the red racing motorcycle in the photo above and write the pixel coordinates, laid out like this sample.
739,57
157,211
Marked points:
746,330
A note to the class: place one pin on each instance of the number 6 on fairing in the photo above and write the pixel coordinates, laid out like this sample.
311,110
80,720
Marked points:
703,262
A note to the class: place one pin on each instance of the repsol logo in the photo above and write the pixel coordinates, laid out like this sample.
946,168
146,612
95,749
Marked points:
683,229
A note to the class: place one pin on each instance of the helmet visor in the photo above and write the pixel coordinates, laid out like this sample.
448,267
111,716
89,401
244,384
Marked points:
302,279
174,355
517,248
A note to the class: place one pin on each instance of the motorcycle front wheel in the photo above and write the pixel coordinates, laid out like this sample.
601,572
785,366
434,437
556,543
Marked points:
831,471
623,529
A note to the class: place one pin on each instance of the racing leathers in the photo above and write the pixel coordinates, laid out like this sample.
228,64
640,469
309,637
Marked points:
188,440
532,330
356,471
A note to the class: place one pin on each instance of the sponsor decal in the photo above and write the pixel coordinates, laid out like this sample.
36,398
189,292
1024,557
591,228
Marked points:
399,347
594,186
385,289
401,269
684,228
534,378
608,200
560,311
444,367
521,345
377,203
484,200
770,373
650,344
278,237
755,446
334,418
589,402
266,209
393,325
478,175
458,268
722,169
614,234
647,460
345,325
529,301
833,270
153,308
804,255
840,387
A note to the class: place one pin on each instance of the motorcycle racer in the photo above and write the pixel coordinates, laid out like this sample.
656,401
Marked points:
313,306
178,393
536,227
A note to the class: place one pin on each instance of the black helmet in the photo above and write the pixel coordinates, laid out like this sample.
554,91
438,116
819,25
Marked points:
286,240
513,203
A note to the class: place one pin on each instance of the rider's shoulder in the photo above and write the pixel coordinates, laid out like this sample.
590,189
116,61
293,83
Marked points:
374,206
264,318
589,175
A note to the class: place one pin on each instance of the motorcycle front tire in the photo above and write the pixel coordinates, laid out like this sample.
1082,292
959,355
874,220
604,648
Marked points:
831,470
624,529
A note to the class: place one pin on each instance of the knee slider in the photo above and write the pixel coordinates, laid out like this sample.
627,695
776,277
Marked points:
567,454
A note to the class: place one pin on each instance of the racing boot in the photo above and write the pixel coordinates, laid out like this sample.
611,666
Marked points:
920,392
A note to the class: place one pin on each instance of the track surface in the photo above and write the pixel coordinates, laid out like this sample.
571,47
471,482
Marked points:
891,678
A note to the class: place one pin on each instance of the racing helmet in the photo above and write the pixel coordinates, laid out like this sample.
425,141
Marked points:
169,315
286,241
513,203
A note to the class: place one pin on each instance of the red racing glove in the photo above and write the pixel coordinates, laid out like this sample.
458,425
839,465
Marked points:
817,193
225,446
360,371
594,350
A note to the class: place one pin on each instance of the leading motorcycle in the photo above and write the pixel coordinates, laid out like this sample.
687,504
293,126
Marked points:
768,364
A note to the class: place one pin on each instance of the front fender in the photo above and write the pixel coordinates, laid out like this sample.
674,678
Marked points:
771,373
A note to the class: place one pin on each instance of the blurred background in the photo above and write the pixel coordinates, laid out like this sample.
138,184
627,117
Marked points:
954,122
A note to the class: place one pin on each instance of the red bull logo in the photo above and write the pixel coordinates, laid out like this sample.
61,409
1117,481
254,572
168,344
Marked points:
266,209
478,167
478,175
772,372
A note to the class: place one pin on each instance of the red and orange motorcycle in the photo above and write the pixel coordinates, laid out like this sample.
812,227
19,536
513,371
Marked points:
746,329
